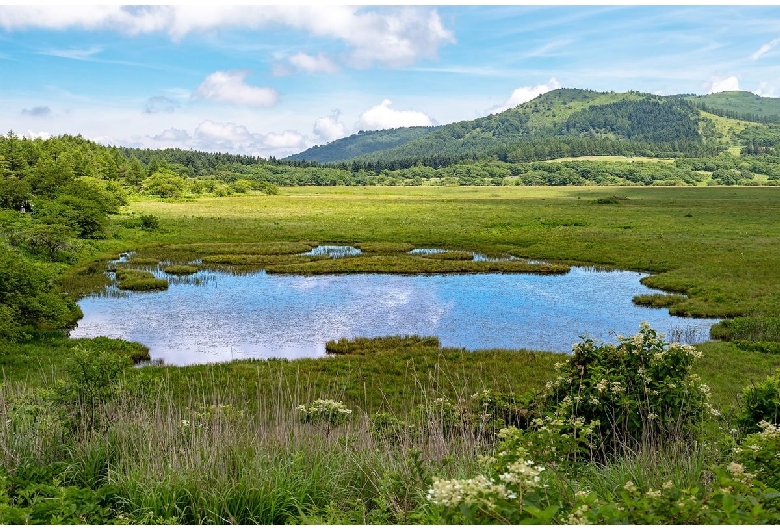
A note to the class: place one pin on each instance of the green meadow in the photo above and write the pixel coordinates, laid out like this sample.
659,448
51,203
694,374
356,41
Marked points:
88,439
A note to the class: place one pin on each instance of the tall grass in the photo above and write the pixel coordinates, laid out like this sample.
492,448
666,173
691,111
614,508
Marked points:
218,458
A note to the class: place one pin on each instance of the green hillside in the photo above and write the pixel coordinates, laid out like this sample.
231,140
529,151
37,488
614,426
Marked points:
563,122
360,144
740,105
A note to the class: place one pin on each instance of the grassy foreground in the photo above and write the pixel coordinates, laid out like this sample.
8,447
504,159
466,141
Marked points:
86,439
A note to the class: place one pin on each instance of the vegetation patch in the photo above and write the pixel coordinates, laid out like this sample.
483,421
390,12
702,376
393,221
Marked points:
138,280
180,270
612,199
384,247
658,299
269,248
363,346
754,329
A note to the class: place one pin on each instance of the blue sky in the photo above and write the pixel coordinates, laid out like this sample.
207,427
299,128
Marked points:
272,80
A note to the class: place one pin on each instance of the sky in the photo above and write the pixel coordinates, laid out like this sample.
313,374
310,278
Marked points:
272,80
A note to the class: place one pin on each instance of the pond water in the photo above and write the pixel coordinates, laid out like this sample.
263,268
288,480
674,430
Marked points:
215,316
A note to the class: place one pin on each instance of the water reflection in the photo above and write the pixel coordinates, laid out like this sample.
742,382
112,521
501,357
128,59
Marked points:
333,251
476,255
227,316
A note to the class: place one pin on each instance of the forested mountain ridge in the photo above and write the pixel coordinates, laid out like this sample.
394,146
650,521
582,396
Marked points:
740,105
572,122
360,143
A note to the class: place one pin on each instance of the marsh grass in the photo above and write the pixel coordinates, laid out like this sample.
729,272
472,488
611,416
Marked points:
363,345
756,329
139,280
685,465
180,270
658,299
218,458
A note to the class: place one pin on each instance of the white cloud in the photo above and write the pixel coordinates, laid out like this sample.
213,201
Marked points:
390,35
229,87
383,117
285,140
723,84
310,63
766,90
233,138
329,128
764,49
173,135
525,93
43,135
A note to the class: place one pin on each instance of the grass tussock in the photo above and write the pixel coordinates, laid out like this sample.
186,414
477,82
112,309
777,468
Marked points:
180,270
138,280
757,329
363,346
658,299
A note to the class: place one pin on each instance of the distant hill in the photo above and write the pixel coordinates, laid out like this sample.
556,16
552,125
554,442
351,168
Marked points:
361,144
740,105
563,122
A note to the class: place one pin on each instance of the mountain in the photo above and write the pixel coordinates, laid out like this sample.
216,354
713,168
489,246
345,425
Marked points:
564,121
360,144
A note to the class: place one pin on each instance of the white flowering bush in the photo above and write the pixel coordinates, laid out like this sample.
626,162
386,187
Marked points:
639,392
760,454
513,490
325,412
761,402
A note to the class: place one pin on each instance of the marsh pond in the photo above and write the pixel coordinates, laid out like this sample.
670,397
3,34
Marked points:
218,316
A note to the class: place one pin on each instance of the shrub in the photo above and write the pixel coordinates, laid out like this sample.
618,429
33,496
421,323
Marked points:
760,454
93,381
325,412
511,491
761,403
637,393
149,222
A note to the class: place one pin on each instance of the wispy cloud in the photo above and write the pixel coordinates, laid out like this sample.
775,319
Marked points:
312,63
76,54
764,49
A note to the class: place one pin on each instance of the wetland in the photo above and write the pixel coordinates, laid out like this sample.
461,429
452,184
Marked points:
219,316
